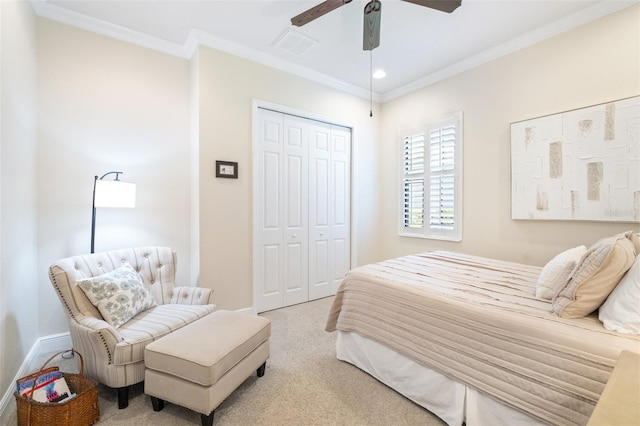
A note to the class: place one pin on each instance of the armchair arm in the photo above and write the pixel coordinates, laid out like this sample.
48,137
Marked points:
191,296
96,337
107,333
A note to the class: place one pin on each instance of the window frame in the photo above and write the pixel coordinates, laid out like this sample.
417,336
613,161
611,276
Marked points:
426,230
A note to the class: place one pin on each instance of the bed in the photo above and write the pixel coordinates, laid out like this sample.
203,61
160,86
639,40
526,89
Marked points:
466,337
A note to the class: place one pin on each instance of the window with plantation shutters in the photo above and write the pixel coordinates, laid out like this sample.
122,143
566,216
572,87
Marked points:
413,203
431,190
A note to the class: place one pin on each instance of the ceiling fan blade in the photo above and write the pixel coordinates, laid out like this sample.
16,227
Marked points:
317,11
442,5
371,33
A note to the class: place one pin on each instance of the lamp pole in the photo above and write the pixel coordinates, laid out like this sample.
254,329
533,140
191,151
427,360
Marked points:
93,215
93,206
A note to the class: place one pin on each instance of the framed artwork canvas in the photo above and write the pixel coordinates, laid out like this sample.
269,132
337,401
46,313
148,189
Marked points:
578,165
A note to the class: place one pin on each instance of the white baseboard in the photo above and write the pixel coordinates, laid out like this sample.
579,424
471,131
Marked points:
248,310
44,345
55,343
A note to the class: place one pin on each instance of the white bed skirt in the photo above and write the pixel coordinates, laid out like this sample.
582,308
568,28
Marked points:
453,402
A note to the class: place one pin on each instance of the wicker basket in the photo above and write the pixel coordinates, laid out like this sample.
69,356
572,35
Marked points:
82,410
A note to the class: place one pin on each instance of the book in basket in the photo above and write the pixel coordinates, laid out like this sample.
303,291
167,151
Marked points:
55,390
25,384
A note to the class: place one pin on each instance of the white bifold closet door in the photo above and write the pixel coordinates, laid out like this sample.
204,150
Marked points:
301,209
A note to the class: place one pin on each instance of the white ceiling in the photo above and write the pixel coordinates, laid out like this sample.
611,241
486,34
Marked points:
418,45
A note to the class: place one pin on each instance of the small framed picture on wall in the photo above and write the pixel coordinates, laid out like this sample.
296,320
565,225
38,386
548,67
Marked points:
227,169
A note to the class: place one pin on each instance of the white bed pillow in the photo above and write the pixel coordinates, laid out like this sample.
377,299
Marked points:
621,311
555,274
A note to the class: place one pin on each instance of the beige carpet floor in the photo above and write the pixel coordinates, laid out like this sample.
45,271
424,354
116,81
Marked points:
304,384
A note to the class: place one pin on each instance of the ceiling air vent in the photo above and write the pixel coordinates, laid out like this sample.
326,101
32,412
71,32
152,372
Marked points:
294,42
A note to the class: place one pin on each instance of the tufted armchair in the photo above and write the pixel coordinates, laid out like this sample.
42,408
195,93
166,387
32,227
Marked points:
115,356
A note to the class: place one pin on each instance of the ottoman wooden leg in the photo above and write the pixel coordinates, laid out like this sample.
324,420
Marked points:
157,403
207,420
260,370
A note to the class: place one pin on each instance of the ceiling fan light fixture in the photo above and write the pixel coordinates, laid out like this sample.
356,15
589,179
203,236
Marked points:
371,30
379,74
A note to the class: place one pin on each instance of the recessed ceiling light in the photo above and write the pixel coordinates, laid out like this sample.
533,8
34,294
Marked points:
379,74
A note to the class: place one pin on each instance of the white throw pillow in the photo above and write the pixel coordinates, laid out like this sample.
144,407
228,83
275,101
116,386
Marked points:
119,295
555,274
621,311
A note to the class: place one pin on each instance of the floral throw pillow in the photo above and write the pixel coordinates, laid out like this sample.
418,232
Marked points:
119,295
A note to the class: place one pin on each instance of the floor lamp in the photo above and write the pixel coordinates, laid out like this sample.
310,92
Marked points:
110,193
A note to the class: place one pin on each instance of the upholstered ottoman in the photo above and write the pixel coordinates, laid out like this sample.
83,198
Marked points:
199,365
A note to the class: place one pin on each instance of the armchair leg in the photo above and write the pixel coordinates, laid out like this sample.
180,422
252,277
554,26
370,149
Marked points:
123,397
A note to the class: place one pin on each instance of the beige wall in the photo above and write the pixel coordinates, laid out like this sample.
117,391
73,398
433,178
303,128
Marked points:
107,105
102,104
227,87
194,165
18,226
595,63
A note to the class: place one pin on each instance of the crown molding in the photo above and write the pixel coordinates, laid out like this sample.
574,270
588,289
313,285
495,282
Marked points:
78,20
585,16
197,38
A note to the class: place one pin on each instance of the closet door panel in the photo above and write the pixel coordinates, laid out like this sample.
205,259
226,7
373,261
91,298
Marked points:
339,261
296,211
341,205
271,275
271,199
320,205
269,248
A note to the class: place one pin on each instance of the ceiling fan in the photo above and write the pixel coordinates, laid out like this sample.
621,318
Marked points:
372,12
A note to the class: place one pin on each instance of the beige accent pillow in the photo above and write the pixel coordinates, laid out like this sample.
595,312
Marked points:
594,277
555,274
635,239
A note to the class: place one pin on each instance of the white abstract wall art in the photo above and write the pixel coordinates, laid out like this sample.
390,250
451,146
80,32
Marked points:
578,165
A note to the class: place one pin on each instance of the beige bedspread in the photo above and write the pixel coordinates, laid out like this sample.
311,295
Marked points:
477,320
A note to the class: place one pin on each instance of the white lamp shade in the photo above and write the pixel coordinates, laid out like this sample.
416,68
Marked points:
115,193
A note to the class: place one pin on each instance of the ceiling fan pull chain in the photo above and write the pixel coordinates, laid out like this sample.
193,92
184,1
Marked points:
371,83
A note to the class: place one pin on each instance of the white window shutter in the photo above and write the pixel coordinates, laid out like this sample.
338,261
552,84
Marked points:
414,203
431,190
441,176
413,180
